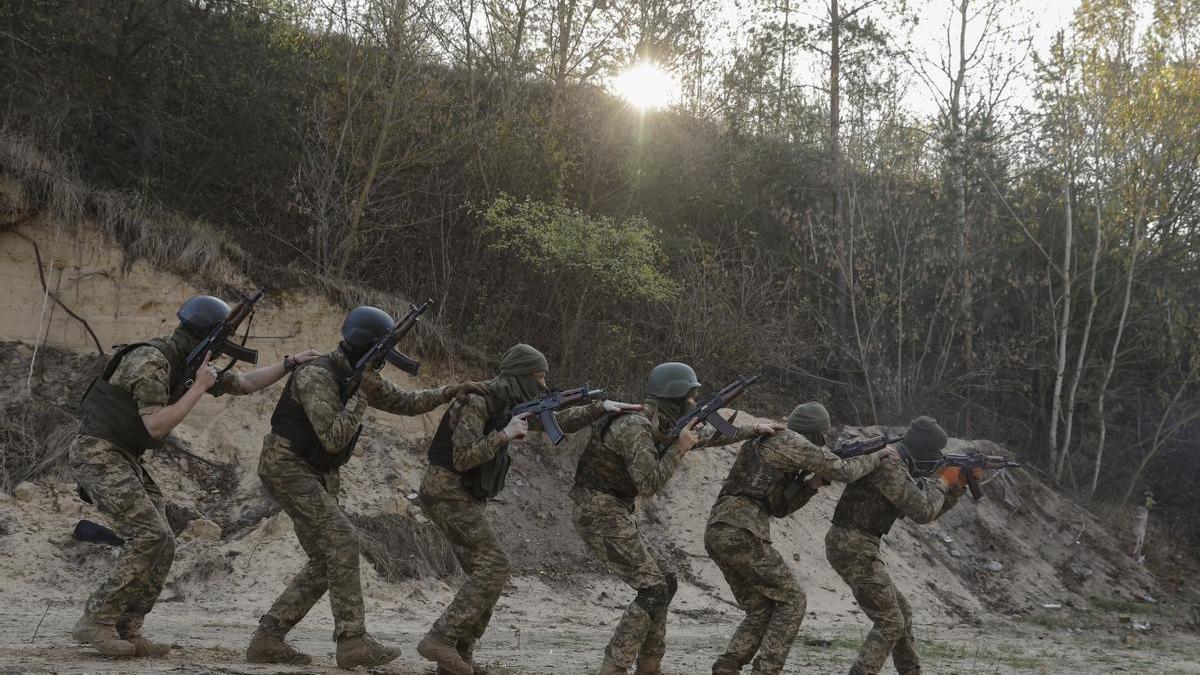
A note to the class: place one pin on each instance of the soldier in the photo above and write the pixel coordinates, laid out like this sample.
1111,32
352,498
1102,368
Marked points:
621,462
140,397
868,508
470,444
313,432
762,484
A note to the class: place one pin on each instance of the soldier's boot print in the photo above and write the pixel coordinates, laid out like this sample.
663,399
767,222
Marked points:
445,654
129,628
102,636
649,664
726,665
363,650
610,667
267,645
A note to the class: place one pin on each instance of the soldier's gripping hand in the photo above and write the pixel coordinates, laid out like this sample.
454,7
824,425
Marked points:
460,391
621,408
769,429
953,477
517,427
371,385
688,437
206,375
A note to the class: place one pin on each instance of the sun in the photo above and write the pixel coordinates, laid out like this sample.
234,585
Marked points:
646,86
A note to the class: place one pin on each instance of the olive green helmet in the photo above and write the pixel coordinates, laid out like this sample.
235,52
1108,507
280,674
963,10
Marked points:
671,380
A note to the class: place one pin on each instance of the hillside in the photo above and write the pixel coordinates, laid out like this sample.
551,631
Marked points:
1055,603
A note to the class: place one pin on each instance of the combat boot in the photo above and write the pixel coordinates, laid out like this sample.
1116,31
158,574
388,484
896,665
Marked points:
725,666
649,665
130,630
267,646
363,650
608,667
444,654
466,650
102,636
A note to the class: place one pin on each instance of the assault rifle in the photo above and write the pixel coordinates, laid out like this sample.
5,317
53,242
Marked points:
543,408
972,461
708,411
217,341
384,349
855,449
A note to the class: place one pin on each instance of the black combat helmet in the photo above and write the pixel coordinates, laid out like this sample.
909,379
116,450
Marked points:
363,327
201,314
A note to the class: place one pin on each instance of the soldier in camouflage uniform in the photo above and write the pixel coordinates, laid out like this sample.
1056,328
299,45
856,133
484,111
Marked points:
314,429
867,510
140,397
469,446
767,481
623,461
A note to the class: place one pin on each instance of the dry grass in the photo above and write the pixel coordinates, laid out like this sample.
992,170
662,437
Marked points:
401,548
34,438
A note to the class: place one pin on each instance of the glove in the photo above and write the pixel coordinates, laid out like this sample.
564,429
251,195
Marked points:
952,476
460,391
618,407
517,427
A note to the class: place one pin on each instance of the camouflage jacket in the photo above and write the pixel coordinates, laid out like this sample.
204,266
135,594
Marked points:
472,447
336,423
872,504
622,462
787,452
146,374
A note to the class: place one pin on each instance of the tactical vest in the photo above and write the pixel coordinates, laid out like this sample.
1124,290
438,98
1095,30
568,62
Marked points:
863,508
485,481
602,469
778,493
290,421
111,413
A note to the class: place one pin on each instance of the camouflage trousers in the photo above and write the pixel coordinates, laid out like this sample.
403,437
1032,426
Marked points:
327,537
129,499
465,525
611,534
765,589
854,555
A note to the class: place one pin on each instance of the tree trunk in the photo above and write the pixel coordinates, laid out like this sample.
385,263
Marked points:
1081,358
1060,365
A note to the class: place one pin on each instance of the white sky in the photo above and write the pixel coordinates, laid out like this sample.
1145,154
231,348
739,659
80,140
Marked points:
1040,19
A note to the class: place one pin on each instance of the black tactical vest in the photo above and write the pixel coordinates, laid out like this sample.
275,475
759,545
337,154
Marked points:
289,420
778,493
485,481
603,470
111,413
863,508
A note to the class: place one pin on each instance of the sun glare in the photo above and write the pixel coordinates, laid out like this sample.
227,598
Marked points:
646,86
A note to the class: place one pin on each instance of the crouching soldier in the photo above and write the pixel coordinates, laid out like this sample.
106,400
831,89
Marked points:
864,514
623,461
768,481
313,433
143,393
467,462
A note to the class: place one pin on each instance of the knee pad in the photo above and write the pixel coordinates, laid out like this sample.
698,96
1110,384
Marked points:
653,599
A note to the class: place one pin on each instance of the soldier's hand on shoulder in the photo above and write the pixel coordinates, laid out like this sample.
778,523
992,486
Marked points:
889,452
306,356
618,407
769,429
460,391
815,483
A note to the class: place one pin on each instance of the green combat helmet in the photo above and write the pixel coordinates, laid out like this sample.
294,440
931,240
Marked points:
671,380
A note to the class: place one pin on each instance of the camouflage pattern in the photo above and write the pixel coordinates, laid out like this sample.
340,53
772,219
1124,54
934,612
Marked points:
765,589
609,528
127,496
464,522
854,555
738,539
310,496
785,452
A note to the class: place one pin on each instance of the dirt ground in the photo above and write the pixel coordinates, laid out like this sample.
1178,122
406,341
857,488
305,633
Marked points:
1024,581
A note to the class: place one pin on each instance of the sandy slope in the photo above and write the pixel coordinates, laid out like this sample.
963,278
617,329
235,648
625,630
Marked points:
559,610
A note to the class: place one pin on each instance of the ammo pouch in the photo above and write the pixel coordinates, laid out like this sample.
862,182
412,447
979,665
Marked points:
788,495
486,481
